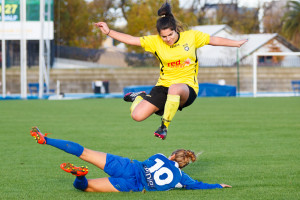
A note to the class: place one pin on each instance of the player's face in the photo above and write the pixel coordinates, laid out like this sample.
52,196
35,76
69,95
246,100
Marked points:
172,157
169,36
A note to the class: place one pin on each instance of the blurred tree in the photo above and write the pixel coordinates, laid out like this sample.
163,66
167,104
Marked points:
124,5
74,21
247,22
187,18
291,23
141,19
100,10
273,13
225,12
70,22
199,9
240,19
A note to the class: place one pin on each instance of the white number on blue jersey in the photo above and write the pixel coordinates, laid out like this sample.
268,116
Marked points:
158,171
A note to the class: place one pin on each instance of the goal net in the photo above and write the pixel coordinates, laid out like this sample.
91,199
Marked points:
273,73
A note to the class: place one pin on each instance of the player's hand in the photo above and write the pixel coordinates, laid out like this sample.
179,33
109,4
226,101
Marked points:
226,186
103,27
241,42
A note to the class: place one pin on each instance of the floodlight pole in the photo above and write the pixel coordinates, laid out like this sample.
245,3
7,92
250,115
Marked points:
238,70
41,50
254,74
48,48
23,50
3,51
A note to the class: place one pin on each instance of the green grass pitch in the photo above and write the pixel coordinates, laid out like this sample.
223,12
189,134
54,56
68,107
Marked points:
252,144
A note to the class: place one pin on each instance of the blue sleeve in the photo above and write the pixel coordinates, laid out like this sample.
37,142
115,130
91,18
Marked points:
191,184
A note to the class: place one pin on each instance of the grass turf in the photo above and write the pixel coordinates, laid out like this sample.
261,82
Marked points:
252,144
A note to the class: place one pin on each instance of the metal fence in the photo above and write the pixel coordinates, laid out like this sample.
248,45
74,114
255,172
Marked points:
13,53
118,58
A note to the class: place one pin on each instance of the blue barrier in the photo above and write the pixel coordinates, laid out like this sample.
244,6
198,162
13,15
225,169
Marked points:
205,90
215,90
296,86
18,97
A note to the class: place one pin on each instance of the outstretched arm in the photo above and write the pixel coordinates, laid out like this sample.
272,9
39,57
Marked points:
191,184
226,186
219,41
122,37
204,186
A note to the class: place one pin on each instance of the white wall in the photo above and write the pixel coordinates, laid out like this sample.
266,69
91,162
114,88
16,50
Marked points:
12,30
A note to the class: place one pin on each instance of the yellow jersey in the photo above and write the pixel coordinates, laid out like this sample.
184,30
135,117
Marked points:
178,63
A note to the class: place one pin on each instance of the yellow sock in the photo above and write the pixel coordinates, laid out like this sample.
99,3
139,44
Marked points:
171,108
137,100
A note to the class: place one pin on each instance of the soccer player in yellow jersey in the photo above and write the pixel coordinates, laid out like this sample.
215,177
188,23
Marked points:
177,86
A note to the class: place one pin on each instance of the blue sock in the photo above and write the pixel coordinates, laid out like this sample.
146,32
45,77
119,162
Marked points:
67,146
80,183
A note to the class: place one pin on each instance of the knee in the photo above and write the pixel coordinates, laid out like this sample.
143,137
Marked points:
136,117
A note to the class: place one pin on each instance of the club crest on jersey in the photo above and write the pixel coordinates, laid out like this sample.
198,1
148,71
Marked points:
186,47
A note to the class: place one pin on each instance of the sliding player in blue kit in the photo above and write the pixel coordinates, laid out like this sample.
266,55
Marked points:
157,173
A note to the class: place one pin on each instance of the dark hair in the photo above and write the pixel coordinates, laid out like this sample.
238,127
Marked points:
167,19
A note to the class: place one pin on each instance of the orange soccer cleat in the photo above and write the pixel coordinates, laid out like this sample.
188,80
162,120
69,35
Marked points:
38,136
77,171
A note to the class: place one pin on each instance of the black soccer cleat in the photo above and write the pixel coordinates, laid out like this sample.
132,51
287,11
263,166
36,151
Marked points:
130,97
161,132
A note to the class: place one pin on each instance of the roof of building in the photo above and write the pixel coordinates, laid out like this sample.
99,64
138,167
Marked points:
212,29
255,42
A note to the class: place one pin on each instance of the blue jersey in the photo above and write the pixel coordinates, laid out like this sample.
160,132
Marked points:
158,173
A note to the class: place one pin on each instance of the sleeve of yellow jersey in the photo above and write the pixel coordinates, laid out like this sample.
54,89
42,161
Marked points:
149,43
201,38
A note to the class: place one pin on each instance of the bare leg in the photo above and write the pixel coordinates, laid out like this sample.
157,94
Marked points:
94,157
100,185
143,110
177,96
180,89
98,159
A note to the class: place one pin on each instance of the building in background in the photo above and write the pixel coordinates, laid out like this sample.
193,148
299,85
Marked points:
216,56
26,39
11,31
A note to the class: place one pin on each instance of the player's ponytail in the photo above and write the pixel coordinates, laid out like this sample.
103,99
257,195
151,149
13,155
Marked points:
167,19
184,157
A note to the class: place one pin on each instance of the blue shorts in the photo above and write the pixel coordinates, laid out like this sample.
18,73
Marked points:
122,172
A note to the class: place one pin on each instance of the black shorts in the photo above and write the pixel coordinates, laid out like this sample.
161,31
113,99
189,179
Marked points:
158,97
